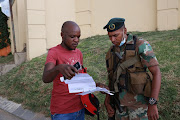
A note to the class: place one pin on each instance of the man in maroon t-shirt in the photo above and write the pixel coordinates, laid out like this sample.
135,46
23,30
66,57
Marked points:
59,62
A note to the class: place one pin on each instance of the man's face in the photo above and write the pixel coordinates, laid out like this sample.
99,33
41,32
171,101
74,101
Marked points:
116,36
71,38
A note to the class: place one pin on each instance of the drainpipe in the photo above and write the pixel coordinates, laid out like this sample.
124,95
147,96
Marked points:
12,22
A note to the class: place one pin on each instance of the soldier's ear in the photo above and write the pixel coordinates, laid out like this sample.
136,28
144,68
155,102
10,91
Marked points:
125,30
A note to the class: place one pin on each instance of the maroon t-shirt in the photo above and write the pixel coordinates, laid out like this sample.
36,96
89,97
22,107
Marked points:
61,100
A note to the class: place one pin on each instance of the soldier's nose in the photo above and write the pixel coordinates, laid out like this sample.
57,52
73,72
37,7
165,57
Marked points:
112,39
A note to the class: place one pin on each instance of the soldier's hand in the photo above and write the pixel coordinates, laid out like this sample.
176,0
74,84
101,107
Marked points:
67,70
109,109
102,85
152,112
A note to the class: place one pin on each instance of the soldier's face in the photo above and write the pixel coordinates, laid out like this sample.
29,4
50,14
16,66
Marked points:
116,36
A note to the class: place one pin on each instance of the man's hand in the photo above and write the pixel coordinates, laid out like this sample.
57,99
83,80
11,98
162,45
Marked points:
51,71
67,70
109,109
152,112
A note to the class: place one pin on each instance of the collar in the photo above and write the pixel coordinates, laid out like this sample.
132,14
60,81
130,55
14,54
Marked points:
130,39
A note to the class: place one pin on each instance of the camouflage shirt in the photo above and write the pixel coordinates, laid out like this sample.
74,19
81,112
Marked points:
144,49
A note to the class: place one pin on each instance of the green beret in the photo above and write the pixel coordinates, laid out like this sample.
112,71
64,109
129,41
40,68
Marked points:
114,24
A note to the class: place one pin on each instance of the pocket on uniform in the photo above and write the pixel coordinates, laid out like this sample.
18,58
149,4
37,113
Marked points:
110,74
137,82
130,54
109,62
147,89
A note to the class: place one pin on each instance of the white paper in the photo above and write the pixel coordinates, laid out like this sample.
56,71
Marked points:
97,89
62,79
81,82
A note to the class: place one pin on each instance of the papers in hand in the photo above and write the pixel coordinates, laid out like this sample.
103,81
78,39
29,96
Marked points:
81,82
97,89
84,83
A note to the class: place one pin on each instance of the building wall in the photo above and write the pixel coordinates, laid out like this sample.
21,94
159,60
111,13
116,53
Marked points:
38,22
139,17
57,12
36,28
179,14
167,17
84,17
45,19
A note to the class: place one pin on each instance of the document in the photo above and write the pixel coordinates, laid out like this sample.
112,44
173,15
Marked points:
83,83
97,89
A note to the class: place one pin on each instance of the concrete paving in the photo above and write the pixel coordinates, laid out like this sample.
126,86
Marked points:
19,58
7,116
11,109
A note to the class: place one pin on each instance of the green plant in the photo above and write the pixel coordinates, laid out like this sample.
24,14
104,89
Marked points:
7,59
4,34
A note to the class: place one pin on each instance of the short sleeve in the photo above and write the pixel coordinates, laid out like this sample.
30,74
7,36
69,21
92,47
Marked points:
51,57
147,55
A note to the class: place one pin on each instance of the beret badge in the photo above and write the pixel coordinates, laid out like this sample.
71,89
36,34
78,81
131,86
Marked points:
112,26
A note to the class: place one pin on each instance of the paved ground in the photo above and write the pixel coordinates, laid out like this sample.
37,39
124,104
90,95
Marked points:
9,110
7,116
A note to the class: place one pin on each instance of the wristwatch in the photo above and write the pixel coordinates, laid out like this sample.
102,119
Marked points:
152,101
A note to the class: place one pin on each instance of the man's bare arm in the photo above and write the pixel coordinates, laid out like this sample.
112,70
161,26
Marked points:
51,71
156,82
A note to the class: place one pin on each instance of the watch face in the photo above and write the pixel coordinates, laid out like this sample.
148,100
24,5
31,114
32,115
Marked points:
152,101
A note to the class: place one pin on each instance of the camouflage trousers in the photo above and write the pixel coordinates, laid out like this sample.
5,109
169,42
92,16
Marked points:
134,107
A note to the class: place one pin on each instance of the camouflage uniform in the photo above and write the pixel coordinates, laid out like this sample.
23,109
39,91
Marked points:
135,106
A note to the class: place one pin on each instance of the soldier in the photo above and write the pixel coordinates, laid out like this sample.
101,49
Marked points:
128,61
